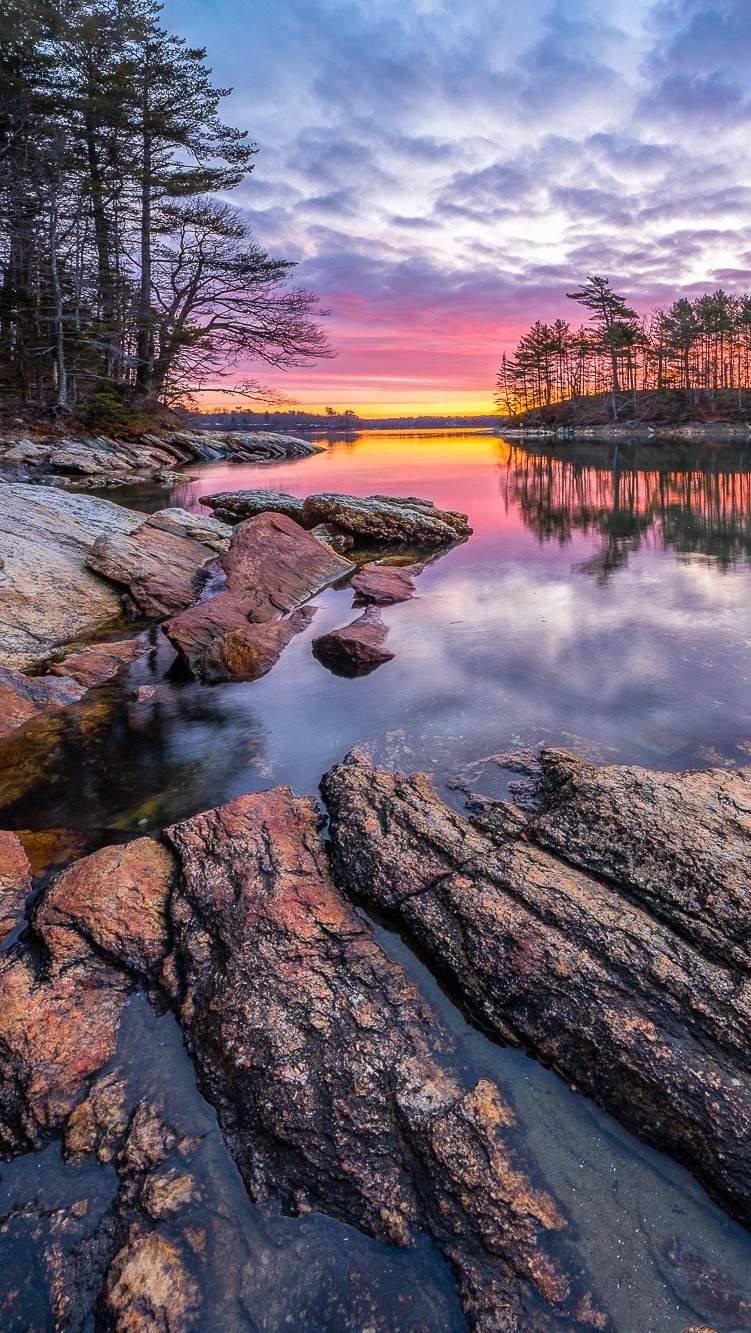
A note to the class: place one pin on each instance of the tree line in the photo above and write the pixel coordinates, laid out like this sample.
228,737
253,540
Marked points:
125,276
692,345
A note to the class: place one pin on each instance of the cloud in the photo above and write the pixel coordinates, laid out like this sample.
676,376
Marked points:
444,173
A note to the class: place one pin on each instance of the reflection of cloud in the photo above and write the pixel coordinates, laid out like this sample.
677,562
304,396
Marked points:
459,167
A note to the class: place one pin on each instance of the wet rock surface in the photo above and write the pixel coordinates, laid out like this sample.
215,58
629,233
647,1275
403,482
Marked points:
567,964
319,1058
275,566
113,902
385,585
271,568
355,649
98,663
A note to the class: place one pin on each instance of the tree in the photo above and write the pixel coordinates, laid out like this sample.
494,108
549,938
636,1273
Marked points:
614,322
121,273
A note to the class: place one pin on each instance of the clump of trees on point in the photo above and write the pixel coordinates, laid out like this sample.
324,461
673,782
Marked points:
700,345
124,278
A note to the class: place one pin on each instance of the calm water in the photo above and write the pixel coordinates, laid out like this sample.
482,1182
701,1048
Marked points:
602,605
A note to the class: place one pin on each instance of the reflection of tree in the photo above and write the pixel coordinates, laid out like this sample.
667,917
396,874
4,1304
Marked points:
691,500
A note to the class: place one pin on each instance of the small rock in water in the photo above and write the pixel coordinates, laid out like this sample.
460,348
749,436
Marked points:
385,584
356,649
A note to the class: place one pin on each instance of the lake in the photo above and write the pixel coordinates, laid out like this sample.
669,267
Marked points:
602,605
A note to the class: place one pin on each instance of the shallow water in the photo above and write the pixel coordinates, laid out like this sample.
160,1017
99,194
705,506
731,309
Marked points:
602,605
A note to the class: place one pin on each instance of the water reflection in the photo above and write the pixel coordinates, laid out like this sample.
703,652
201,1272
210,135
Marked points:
695,501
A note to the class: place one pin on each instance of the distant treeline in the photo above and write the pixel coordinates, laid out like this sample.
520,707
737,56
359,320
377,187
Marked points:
124,278
700,345
334,422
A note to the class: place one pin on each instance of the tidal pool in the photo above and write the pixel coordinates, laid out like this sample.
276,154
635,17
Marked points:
601,605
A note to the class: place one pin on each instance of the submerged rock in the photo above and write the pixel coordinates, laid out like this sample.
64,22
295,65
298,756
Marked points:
164,571
385,584
48,596
357,648
99,662
24,698
571,966
385,518
317,1053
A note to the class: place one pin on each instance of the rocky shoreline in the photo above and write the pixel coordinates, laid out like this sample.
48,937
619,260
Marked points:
603,925
332,1080
97,461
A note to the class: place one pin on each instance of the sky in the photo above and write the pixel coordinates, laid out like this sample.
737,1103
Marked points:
443,171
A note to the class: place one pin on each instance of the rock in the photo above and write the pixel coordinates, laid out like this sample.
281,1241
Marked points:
218,641
385,584
383,518
144,693
55,1035
679,842
272,567
234,506
578,971
114,902
332,536
149,1288
166,478
15,882
355,649
48,597
198,527
250,651
317,1053
255,446
165,572
23,698
97,1126
99,662
275,565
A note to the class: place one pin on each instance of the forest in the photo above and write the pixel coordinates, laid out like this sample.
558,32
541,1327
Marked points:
699,346
126,279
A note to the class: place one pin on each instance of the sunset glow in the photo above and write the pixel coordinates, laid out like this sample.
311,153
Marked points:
443,176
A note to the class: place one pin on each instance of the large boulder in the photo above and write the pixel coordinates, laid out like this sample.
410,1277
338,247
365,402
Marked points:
387,518
628,998
48,596
98,663
234,506
272,567
318,1054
